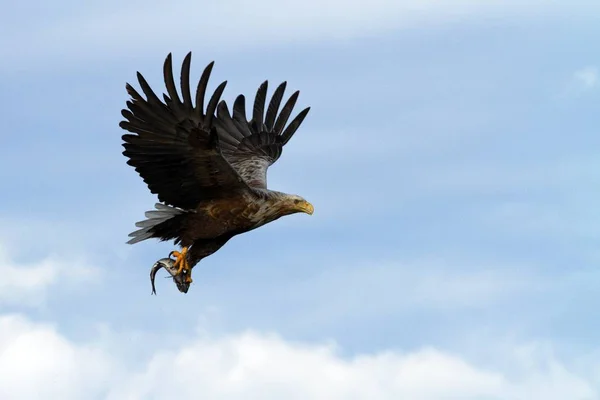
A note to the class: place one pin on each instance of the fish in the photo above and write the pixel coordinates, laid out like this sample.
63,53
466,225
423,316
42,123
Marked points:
183,284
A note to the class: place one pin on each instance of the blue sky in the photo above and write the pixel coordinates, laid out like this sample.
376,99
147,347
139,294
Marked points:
451,154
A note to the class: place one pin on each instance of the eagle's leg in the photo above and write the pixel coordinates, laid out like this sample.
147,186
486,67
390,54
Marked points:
182,264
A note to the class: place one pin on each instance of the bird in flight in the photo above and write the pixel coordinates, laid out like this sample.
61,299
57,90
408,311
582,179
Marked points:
208,167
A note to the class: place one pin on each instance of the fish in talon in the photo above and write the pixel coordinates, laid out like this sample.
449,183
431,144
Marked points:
182,280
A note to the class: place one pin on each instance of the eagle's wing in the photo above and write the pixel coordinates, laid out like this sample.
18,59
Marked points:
252,146
174,146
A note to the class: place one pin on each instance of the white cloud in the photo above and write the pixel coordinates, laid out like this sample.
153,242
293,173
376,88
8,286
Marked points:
587,78
28,283
39,362
581,81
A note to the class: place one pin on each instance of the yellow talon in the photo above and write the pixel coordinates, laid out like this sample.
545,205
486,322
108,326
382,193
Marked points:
182,263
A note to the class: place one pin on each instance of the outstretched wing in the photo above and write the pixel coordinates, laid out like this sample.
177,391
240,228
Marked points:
252,146
174,146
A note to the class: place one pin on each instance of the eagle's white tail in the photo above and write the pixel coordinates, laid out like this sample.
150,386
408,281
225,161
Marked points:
162,214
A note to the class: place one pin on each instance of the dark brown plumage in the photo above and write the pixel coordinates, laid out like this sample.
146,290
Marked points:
208,167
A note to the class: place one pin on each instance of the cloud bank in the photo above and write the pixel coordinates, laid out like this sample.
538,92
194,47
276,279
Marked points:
42,363
26,285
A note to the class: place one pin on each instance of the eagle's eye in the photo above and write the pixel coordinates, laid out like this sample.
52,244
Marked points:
296,201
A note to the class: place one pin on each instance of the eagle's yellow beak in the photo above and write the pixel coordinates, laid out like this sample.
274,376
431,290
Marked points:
306,207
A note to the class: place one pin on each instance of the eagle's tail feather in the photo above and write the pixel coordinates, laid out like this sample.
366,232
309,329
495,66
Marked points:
163,223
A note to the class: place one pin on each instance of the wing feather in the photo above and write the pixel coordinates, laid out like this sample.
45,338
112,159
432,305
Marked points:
170,82
254,145
274,106
294,125
239,116
259,107
185,82
174,146
201,89
286,112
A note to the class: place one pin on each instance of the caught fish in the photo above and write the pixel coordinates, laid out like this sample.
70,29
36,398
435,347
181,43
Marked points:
181,280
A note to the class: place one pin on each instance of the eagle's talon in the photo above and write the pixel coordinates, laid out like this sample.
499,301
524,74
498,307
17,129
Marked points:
181,263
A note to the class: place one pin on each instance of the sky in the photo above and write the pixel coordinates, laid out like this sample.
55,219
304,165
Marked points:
451,154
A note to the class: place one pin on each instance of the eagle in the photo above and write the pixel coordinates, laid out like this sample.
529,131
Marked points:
207,166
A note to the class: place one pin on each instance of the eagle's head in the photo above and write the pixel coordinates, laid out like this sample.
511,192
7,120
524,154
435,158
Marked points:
291,204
